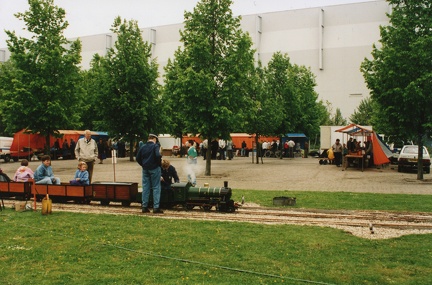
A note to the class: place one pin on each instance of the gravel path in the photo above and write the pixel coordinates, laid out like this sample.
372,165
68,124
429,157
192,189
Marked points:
364,224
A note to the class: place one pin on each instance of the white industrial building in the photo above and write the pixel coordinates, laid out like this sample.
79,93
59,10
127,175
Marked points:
332,41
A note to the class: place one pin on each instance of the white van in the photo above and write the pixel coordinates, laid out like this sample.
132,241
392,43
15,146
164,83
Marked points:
5,144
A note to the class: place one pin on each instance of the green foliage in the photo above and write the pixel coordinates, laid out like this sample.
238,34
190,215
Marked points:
303,84
170,98
279,83
90,112
265,110
292,86
364,112
338,119
71,248
207,81
40,89
125,84
400,74
323,113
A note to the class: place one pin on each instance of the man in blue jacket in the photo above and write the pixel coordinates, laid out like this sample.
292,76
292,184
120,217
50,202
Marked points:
149,157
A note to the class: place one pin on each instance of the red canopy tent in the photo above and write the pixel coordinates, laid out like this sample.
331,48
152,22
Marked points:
25,144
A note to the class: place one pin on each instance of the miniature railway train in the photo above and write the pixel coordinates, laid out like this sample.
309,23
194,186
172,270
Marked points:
179,195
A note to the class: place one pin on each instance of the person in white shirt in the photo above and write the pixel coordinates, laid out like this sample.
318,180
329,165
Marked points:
337,151
86,150
291,145
222,148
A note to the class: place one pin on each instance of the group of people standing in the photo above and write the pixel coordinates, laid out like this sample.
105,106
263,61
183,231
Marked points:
353,146
219,149
85,150
66,150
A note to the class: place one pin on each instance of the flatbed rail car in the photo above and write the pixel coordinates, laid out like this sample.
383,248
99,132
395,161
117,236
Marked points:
104,192
64,192
19,190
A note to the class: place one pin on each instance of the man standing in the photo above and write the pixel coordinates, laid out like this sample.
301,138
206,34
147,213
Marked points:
291,145
149,157
72,148
86,150
243,148
222,148
102,150
337,151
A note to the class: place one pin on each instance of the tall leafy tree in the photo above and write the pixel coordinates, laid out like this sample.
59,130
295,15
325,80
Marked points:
40,91
303,84
364,112
265,111
323,113
400,73
337,119
128,93
280,84
90,113
7,75
295,85
210,73
170,97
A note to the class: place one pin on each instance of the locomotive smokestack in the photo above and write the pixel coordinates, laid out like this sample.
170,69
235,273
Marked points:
226,184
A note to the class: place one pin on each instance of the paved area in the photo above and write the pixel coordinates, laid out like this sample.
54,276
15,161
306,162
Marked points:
297,174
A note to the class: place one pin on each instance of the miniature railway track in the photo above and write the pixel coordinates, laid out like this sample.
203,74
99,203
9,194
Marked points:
330,218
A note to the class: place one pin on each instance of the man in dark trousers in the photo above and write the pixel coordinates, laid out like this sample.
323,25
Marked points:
86,150
149,157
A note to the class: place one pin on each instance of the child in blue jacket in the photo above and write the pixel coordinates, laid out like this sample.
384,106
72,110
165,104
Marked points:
81,175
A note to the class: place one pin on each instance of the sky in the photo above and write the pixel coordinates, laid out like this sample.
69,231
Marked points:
91,17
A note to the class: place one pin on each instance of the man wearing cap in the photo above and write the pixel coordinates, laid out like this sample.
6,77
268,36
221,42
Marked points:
86,150
149,157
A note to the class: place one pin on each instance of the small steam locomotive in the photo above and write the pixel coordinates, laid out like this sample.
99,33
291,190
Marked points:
179,195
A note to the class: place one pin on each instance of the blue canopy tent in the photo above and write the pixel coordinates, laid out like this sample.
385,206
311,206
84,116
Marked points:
296,137
96,135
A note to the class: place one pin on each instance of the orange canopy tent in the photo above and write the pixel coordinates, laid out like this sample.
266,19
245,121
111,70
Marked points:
25,143
379,149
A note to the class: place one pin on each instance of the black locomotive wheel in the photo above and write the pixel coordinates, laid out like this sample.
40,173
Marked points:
207,208
189,207
230,209
105,202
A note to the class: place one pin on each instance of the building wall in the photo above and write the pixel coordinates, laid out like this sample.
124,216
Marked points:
332,41
348,33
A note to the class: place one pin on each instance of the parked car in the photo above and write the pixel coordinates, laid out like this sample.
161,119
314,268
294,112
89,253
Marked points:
408,158
5,143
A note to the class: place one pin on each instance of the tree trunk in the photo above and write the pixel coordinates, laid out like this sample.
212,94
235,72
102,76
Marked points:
420,158
131,150
47,149
208,159
258,149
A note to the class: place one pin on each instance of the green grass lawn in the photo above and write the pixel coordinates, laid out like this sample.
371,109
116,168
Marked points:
70,248
341,200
